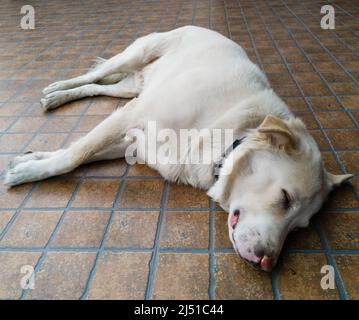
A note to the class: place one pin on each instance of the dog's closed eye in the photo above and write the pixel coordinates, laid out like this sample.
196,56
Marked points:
286,200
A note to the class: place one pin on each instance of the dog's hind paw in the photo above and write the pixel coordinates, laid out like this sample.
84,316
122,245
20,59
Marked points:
56,86
27,157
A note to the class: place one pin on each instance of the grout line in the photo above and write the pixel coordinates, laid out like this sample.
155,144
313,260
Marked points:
163,207
156,248
259,60
226,18
212,257
43,256
274,282
338,280
103,240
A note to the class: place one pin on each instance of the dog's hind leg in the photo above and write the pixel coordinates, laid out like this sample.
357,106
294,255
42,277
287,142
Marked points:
130,87
106,141
133,58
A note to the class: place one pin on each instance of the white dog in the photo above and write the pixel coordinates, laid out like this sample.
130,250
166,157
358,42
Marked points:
196,78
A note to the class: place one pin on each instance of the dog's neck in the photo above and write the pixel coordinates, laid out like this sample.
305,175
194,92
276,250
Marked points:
218,165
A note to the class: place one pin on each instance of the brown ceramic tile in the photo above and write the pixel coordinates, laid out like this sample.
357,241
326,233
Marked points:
12,198
341,197
60,124
307,77
142,194
10,275
63,276
185,230
344,139
319,139
348,267
73,108
188,278
330,164
181,196
296,104
52,194
31,228
14,108
47,142
345,88
306,238
81,229
324,103
236,280
300,67
334,120
299,277
133,229
350,161
5,217
96,193
120,276
355,115
140,170
286,90
110,168
14,142
315,89
28,124
308,119
103,105
87,123
221,236
342,229
5,123
350,102
274,68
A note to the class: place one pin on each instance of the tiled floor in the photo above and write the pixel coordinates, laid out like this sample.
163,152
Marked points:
108,230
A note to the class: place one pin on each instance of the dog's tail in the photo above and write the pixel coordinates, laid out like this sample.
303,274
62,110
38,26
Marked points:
111,79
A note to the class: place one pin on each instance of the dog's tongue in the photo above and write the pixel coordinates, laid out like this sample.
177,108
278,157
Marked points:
233,220
266,264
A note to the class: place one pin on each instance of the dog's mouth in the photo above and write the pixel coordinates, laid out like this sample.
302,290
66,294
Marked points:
233,219
265,263
262,262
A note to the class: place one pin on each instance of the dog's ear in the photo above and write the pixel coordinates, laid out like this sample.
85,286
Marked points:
335,180
276,131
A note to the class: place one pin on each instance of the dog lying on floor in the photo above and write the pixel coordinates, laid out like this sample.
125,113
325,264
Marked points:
271,179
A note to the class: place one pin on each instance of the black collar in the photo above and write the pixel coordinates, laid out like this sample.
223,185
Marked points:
218,165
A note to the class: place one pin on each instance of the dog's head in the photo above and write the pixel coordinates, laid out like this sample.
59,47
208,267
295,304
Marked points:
273,183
